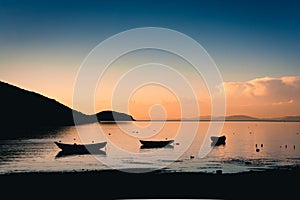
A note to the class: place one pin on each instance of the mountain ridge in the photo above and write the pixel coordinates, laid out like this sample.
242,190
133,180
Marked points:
24,112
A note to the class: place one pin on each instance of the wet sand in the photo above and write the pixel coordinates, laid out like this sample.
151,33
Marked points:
113,184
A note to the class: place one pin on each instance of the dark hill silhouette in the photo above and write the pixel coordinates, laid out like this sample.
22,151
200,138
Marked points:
287,119
226,118
240,118
249,118
243,118
23,112
108,115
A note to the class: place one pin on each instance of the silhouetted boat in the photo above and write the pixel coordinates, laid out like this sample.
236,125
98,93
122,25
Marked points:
155,144
80,148
216,141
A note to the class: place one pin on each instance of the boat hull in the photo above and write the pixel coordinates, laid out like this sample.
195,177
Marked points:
80,148
155,144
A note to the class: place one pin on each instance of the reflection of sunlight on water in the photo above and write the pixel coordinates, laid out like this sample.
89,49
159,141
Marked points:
279,146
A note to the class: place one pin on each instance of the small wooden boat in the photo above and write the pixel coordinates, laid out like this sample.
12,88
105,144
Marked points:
155,144
80,148
216,141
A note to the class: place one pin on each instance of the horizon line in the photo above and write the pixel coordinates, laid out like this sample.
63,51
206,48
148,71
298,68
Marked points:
196,118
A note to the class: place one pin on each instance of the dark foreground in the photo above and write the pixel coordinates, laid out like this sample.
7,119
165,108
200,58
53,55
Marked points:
272,184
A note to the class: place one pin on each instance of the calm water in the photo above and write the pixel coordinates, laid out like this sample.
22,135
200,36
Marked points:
278,144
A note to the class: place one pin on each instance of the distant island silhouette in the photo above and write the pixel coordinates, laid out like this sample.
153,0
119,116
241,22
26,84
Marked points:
109,115
25,113
245,118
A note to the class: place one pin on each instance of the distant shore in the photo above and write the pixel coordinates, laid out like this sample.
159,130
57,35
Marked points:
114,184
213,120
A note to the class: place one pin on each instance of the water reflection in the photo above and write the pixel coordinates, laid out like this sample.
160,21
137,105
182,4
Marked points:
168,146
61,154
278,143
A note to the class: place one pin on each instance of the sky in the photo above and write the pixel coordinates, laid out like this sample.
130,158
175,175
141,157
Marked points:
254,44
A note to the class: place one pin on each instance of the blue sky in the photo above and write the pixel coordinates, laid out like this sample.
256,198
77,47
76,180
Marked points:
263,35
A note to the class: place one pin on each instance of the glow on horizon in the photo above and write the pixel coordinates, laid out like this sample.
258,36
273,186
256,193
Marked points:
262,97
149,78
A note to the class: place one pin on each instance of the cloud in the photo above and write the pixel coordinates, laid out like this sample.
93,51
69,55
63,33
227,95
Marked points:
282,103
271,95
282,88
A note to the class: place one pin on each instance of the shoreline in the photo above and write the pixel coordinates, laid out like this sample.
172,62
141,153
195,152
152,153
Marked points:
115,184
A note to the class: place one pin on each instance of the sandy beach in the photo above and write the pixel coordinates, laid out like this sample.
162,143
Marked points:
113,184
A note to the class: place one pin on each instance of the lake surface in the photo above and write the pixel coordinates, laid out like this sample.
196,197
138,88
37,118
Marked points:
277,143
